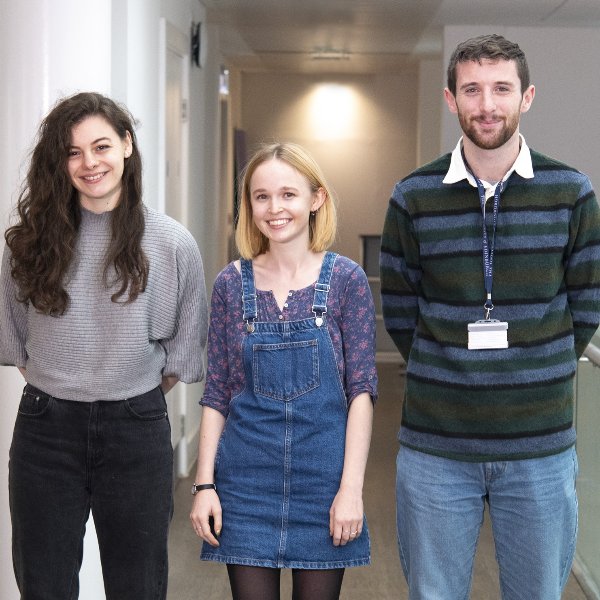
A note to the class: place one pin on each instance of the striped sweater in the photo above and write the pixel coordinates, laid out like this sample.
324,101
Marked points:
485,405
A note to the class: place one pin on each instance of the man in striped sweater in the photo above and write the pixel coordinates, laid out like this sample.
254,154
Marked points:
490,274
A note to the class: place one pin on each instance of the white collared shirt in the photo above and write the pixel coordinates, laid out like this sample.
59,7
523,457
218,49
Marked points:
458,170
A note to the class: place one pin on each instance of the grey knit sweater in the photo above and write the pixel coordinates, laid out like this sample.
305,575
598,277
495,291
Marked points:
102,350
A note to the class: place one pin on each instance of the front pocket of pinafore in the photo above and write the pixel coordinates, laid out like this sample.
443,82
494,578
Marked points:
285,371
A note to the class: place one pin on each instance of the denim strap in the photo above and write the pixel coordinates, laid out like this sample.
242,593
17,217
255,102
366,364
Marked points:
319,306
248,293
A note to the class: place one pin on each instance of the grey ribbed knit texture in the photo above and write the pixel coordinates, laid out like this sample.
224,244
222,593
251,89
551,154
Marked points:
101,350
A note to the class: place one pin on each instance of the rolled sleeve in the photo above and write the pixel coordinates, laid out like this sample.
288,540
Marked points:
358,336
185,348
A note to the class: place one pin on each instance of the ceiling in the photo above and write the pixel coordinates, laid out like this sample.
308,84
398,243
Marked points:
364,36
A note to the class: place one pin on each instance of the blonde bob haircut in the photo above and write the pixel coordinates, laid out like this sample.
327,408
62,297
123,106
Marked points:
322,224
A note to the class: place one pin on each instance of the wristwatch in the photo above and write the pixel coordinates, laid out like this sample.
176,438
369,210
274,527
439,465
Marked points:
203,486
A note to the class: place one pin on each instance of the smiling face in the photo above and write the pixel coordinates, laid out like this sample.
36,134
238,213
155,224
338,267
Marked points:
489,101
281,201
96,162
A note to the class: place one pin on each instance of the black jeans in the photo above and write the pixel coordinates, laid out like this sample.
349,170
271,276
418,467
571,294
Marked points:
114,458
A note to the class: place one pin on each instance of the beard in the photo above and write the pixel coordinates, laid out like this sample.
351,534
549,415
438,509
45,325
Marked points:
489,141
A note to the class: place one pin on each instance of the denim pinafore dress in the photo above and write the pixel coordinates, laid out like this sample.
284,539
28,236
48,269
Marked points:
280,457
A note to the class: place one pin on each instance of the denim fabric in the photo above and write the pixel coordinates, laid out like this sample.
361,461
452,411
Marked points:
533,509
280,457
113,458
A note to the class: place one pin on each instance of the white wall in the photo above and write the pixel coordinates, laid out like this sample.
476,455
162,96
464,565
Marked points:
134,63
430,106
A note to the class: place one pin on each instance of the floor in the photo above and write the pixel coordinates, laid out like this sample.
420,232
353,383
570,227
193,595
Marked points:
191,579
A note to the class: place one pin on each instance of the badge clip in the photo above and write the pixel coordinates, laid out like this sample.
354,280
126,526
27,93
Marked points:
488,334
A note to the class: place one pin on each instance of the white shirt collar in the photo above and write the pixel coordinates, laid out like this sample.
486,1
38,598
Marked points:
458,170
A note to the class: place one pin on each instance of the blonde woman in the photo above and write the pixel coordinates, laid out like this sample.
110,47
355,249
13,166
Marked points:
291,382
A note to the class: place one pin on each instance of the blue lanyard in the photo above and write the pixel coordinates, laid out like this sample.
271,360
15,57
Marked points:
488,245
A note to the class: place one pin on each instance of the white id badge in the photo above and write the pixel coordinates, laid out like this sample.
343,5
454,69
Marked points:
488,335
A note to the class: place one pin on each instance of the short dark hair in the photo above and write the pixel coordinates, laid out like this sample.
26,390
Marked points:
492,47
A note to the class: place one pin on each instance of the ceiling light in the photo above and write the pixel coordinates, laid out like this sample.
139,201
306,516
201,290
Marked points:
329,54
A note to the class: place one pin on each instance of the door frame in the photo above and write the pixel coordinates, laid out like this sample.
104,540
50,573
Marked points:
174,40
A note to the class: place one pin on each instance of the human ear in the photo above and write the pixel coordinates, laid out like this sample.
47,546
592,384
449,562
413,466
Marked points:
450,101
319,198
128,145
528,96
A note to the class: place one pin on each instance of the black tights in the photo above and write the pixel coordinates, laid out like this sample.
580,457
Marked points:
261,583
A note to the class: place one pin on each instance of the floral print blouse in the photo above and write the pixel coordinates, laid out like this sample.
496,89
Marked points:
350,320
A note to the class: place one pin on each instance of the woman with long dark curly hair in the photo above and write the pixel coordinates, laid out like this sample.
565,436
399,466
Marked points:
103,310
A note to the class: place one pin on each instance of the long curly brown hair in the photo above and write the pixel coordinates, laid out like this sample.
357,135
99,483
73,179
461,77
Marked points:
43,242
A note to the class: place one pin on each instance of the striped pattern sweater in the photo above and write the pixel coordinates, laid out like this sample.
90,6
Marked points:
485,405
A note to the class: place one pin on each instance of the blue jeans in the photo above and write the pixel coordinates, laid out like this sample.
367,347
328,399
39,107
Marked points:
533,510
113,458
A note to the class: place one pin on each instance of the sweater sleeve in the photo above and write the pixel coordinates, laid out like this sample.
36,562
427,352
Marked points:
400,275
13,318
582,274
185,348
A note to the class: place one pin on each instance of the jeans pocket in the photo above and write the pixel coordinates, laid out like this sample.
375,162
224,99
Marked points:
34,404
150,406
285,371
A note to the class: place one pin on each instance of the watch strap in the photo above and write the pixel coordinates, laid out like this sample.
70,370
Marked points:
197,487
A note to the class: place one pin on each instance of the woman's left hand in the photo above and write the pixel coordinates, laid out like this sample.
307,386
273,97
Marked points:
346,516
168,382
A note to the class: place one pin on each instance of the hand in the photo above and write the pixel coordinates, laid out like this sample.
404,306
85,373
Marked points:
168,382
346,516
206,508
